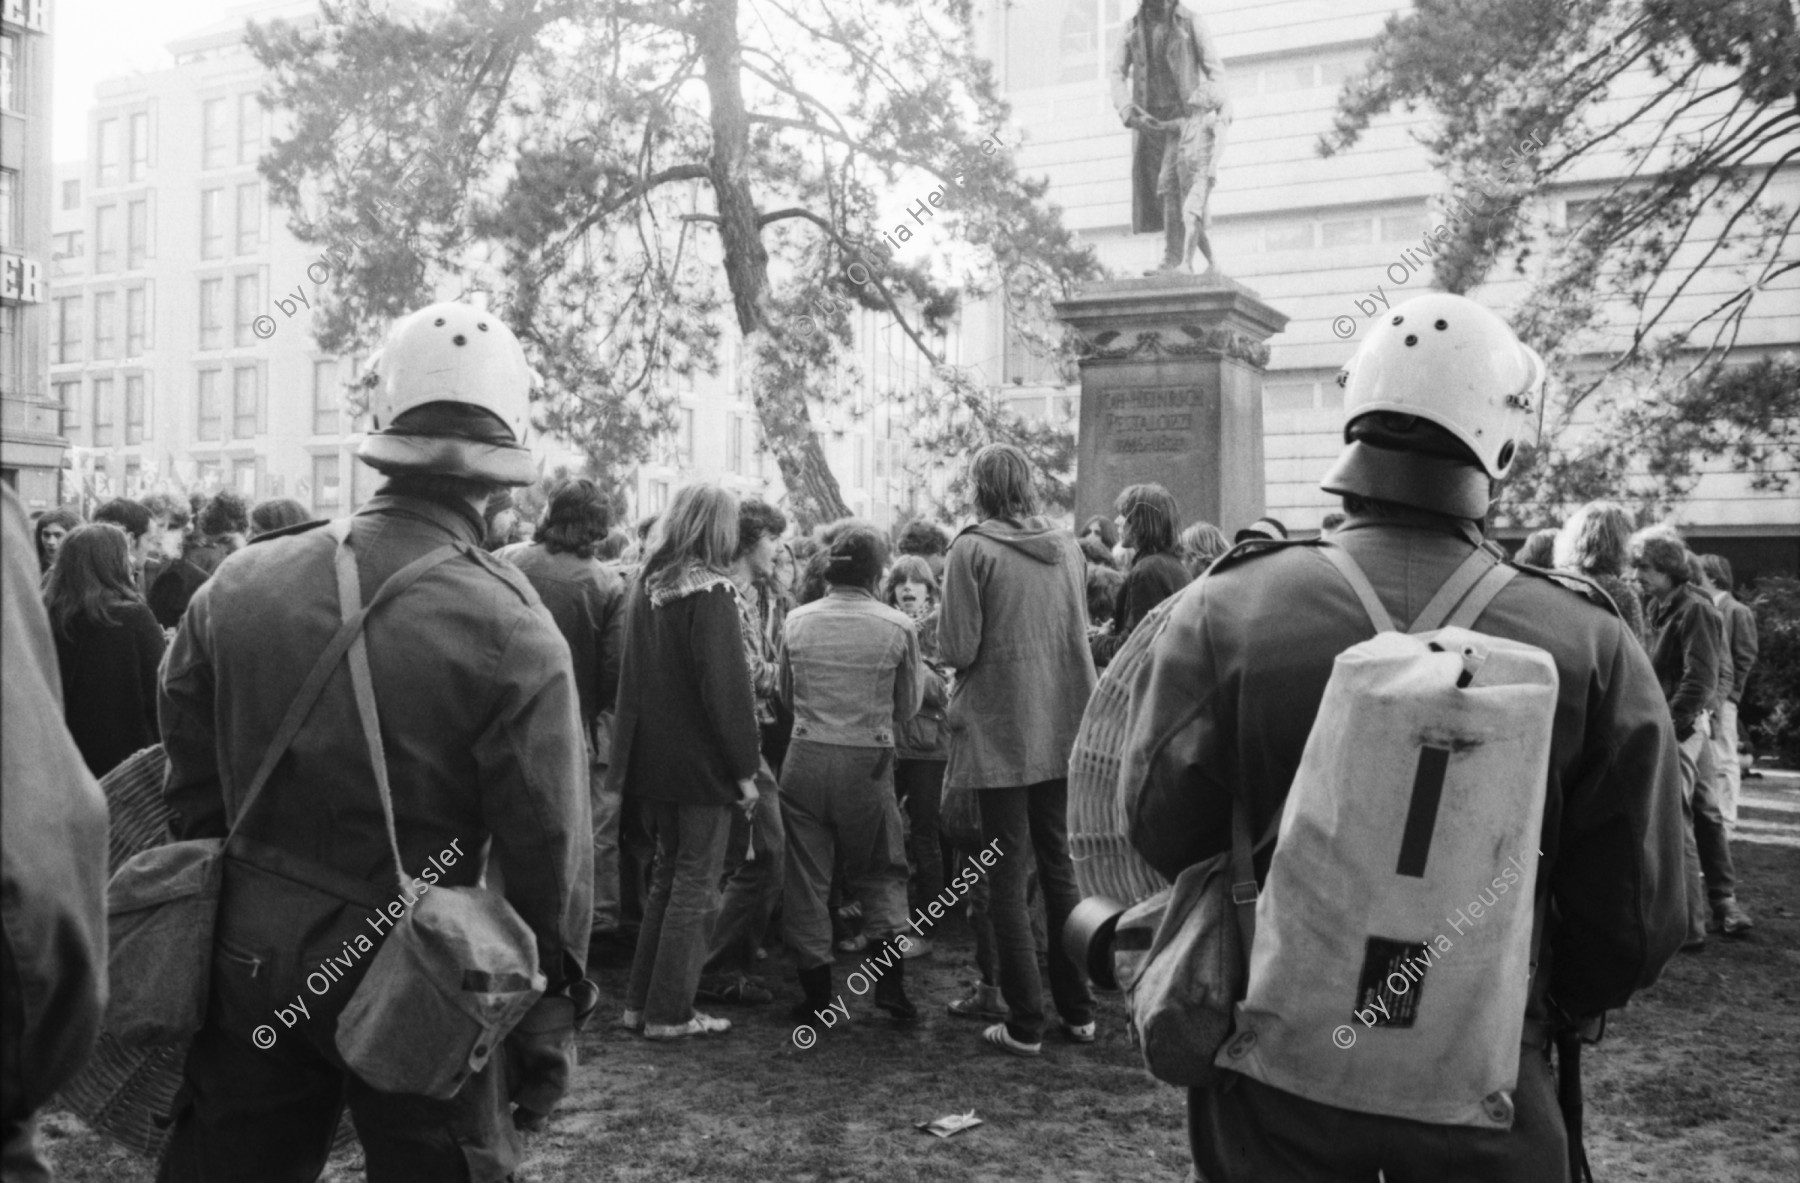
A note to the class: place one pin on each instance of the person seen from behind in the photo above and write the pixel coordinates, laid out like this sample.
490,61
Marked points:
279,513
1200,544
1435,403
53,856
587,601
1013,627
478,725
850,672
108,646
135,520
685,748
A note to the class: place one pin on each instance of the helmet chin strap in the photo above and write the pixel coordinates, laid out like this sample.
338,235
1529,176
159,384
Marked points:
1423,481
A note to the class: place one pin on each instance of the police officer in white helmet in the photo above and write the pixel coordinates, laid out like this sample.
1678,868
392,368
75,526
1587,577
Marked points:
477,713
1437,401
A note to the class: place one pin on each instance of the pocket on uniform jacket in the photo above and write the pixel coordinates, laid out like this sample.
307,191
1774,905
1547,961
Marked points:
243,987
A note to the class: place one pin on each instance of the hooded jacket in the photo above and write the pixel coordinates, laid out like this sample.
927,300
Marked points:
1014,626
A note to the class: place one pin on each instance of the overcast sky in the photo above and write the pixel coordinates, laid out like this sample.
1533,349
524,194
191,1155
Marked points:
94,40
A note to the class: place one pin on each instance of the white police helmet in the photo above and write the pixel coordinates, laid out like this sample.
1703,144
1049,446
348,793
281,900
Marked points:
451,394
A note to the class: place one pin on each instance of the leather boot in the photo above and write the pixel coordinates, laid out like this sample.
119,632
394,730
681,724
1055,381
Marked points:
815,984
890,988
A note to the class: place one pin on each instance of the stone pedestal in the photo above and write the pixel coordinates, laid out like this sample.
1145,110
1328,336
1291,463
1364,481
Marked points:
1171,392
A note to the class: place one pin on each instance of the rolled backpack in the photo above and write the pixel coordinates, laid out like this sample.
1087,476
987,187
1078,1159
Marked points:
1395,929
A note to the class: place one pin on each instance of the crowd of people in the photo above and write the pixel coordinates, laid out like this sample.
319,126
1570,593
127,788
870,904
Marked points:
682,743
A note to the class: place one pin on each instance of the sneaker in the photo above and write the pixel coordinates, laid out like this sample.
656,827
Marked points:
981,1002
1081,1032
632,1020
1733,920
855,944
1002,1039
700,1024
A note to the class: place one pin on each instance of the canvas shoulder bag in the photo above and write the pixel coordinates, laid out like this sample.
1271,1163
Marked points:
162,904
458,970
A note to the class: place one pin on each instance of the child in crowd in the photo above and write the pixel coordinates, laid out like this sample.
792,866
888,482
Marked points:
922,744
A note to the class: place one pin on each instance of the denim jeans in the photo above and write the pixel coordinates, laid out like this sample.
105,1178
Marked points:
921,783
839,801
684,896
1034,816
754,887
1708,852
607,915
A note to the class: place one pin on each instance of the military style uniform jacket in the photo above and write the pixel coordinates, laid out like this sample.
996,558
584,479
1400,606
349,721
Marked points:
1238,675
478,714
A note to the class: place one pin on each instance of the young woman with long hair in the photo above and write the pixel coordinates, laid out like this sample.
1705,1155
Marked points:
686,746
108,646
48,532
1149,522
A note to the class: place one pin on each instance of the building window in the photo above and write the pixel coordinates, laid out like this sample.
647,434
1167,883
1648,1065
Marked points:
106,238
139,166
137,234
326,493
11,229
137,321
658,496
862,463
134,478
243,305
250,128
325,398
67,395
1289,396
106,153
106,328
9,72
12,351
1402,227
66,250
103,412
207,419
734,444
212,223
1288,236
212,133
246,403
243,477
137,411
1347,232
68,329
71,194
212,327
249,218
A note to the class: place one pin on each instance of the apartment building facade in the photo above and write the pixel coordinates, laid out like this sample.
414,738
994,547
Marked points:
32,446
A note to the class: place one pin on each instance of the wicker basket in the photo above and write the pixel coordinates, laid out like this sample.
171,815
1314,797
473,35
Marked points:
1100,799
123,1092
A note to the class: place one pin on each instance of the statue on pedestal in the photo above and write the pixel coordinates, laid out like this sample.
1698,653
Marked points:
1168,83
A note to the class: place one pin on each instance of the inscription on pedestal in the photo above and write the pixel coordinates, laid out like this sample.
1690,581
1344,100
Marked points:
1150,419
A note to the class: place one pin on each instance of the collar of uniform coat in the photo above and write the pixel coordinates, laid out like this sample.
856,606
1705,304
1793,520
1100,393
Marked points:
459,518
1407,518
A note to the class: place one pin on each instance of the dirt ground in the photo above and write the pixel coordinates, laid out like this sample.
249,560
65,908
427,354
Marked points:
1694,1083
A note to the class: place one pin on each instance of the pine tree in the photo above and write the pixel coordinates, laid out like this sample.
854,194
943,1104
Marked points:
618,178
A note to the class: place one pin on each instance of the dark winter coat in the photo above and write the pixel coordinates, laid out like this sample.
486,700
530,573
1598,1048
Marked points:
686,725
1687,634
1152,579
109,684
587,601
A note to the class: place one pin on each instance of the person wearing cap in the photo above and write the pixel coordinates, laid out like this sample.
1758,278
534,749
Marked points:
1438,400
478,714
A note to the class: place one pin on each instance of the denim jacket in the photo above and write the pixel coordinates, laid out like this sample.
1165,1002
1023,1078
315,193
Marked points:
850,670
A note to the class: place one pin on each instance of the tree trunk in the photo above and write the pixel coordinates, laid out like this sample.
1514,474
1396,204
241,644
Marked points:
786,419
